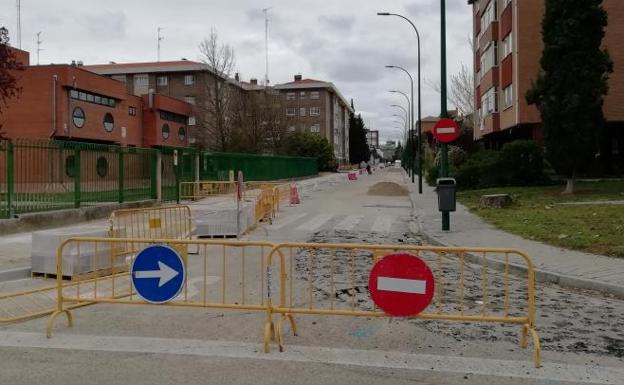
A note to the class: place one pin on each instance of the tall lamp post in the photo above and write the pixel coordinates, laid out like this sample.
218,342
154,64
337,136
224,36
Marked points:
419,158
411,128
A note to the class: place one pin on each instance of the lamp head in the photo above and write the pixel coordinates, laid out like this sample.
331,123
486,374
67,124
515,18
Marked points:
383,13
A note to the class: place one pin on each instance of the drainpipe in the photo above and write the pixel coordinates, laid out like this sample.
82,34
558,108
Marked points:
54,81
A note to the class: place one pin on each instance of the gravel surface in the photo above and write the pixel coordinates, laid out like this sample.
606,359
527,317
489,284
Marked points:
576,321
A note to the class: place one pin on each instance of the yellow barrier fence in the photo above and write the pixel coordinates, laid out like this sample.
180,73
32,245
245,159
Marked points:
220,274
207,189
332,279
315,279
171,222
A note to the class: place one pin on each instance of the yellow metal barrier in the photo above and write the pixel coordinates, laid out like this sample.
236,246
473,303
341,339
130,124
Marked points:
222,274
207,189
332,279
171,222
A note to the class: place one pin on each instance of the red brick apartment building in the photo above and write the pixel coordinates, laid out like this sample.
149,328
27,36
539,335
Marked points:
317,106
70,103
508,48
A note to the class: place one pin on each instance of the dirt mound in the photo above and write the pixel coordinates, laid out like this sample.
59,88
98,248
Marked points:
387,189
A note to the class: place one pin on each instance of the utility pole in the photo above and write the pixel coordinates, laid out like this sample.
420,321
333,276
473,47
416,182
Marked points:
159,40
19,24
446,216
39,49
266,45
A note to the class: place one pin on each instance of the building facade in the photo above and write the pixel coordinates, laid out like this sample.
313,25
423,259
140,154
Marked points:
69,103
318,107
507,51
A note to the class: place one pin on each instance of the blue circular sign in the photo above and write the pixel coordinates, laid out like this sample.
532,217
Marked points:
158,274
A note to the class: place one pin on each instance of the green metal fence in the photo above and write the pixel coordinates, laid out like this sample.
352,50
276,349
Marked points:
216,166
42,174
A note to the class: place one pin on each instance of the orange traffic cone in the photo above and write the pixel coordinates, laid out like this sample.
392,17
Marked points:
294,195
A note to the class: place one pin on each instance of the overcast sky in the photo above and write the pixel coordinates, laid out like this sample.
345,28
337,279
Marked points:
342,41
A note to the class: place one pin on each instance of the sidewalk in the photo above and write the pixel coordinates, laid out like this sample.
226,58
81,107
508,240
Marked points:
553,264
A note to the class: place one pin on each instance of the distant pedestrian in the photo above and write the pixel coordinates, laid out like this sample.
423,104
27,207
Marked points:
368,169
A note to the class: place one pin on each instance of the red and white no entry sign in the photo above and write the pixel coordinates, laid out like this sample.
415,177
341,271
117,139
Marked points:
446,130
402,285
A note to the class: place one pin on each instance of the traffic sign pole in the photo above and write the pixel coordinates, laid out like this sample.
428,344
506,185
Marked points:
446,218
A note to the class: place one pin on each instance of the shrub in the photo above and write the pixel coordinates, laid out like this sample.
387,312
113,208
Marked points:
524,162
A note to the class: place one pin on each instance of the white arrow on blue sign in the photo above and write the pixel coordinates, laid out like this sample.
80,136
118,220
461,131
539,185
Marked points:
158,274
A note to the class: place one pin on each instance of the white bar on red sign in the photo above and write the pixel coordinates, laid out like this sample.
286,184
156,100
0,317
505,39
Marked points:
412,286
445,130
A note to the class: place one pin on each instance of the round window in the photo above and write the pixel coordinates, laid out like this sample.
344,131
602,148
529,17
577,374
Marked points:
109,122
70,162
101,166
78,117
165,131
181,133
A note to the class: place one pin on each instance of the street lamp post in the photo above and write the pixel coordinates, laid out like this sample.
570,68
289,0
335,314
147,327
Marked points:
406,121
411,129
419,158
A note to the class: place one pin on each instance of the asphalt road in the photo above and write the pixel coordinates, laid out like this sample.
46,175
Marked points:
582,332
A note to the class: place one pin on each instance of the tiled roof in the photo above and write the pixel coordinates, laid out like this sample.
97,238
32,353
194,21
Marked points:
148,67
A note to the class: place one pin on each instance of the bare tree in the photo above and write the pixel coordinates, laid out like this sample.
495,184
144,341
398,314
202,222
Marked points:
216,109
461,90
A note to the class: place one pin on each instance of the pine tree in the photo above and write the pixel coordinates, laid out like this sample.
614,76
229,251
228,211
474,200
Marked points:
358,147
571,85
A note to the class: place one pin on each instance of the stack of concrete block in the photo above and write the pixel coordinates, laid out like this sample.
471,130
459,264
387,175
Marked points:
78,257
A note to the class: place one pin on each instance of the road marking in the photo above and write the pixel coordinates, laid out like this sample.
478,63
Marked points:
586,374
315,222
412,286
349,222
382,224
287,221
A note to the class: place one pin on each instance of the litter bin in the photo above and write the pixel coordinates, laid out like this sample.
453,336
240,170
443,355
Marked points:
446,188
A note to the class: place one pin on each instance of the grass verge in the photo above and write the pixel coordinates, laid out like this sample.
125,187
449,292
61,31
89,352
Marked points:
538,214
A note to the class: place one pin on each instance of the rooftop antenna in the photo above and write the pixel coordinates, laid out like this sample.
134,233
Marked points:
19,25
266,44
159,40
39,42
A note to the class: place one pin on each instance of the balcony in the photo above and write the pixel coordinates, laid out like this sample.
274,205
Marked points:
489,124
490,79
489,35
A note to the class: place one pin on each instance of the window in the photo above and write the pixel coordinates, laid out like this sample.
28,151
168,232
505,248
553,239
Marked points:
489,15
101,167
141,80
488,102
189,80
291,96
181,133
291,129
315,128
290,111
191,121
132,111
302,95
78,117
315,111
92,98
109,123
119,78
302,111
172,117
162,81
505,3
165,131
314,95
190,99
488,58
507,45
508,92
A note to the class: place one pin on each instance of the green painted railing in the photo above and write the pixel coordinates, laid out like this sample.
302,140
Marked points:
41,174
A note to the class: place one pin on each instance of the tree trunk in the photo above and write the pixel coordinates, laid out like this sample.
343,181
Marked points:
569,186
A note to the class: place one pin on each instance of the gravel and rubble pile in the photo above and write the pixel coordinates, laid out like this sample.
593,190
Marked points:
567,320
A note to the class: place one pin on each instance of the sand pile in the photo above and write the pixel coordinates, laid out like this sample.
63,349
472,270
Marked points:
387,189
